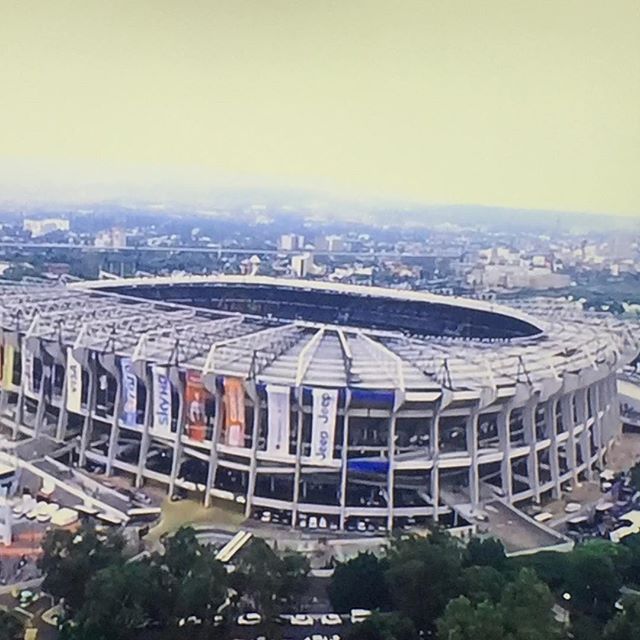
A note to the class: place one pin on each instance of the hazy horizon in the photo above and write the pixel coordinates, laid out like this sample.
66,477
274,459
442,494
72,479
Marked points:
531,106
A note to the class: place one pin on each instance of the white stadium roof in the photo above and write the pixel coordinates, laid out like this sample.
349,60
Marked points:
294,352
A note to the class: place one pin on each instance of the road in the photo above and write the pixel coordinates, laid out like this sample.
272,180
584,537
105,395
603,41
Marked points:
39,246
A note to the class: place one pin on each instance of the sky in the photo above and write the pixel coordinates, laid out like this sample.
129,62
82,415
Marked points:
515,103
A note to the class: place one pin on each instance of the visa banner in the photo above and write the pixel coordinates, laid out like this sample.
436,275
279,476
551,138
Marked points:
162,400
323,424
129,393
74,383
278,423
234,415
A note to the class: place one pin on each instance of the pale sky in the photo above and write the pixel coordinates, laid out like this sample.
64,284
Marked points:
498,102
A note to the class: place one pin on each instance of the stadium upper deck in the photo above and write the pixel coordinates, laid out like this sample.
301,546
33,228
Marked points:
114,316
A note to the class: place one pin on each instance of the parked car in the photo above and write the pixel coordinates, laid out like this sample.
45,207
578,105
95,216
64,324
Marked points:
249,619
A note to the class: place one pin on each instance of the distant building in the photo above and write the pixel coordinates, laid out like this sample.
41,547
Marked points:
302,265
115,238
40,227
291,242
335,243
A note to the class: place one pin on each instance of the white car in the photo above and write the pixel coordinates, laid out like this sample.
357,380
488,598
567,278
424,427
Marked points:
359,615
330,619
249,619
572,507
301,620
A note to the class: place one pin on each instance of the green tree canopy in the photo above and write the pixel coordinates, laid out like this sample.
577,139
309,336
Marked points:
11,627
485,552
625,625
423,575
360,583
464,621
383,626
69,560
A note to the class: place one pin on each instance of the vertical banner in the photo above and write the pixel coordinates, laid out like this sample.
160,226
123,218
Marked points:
323,424
195,397
234,412
7,366
279,414
129,393
27,370
74,383
162,400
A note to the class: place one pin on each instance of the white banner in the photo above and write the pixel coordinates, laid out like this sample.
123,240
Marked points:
129,393
74,383
162,400
278,412
323,425
27,370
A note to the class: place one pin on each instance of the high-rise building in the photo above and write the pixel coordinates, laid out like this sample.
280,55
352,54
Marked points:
291,242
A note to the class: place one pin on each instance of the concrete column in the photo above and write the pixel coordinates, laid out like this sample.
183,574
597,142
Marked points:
554,464
115,424
177,446
435,470
253,464
472,448
343,469
47,374
569,423
391,469
63,415
504,433
87,427
596,397
298,463
529,421
213,454
146,426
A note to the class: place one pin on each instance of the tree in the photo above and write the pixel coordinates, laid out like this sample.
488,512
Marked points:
625,625
527,609
383,626
11,627
118,602
295,576
487,552
423,575
267,580
525,612
464,621
69,560
592,581
482,583
346,590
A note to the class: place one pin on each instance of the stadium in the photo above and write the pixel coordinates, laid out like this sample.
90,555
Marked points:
313,404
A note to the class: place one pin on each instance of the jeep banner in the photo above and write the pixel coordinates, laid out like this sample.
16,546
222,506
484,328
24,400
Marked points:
74,383
323,425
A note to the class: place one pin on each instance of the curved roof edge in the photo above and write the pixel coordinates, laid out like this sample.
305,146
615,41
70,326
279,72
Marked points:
315,285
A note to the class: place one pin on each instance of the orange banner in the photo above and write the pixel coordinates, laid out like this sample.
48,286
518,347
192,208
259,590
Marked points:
196,396
234,412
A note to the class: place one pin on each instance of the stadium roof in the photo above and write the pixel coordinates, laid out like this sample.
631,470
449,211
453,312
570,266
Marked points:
302,352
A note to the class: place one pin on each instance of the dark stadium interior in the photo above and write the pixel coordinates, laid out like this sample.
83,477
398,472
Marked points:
340,308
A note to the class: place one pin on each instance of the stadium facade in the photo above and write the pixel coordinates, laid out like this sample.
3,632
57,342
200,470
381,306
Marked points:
312,401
